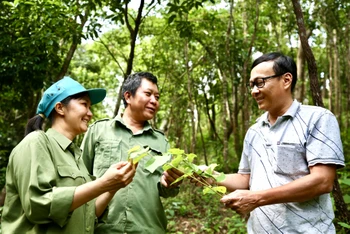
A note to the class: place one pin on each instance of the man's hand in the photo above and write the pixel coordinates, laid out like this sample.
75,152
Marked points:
200,180
169,177
241,201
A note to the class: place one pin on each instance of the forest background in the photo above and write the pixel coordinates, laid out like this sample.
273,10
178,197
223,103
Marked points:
201,51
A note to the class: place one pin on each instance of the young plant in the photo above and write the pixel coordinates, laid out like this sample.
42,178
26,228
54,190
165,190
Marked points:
176,158
136,153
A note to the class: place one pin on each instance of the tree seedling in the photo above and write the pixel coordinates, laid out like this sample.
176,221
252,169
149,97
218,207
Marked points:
136,153
176,158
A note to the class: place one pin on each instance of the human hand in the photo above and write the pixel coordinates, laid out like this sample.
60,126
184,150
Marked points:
241,201
200,180
118,176
170,176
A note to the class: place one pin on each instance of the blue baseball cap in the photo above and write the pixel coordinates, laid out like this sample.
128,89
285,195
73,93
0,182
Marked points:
64,88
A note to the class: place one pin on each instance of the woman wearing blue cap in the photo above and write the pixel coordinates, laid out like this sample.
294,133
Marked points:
48,189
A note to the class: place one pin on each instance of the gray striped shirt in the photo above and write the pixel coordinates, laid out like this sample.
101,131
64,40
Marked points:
276,155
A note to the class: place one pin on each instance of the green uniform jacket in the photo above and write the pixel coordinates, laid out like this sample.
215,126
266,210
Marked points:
136,208
41,178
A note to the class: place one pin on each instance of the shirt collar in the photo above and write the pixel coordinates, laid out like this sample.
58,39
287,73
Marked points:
63,141
291,112
119,119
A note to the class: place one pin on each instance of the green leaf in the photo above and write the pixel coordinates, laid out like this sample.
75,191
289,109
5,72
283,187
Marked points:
208,190
167,166
155,162
220,189
136,153
345,225
176,151
179,179
345,181
210,169
190,157
219,178
176,161
134,149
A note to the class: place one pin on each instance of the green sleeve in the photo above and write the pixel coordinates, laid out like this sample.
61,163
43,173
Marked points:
88,149
167,192
36,177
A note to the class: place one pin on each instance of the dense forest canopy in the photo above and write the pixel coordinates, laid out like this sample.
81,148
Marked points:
201,51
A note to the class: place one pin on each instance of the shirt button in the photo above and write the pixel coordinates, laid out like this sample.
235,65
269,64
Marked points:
88,229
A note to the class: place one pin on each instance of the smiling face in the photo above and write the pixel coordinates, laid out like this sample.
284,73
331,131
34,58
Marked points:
265,96
77,115
275,96
144,104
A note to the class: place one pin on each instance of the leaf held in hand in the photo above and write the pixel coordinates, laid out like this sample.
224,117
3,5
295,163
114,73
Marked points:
156,161
136,153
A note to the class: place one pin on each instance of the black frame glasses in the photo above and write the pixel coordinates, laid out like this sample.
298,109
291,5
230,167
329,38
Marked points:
260,82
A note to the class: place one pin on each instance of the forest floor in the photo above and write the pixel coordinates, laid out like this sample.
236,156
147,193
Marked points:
191,212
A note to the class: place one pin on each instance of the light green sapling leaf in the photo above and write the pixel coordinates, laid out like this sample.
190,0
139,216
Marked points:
179,179
134,149
190,157
210,169
219,178
208,190
220,189
176,161
136,153
176,151
167,166
155,162
142,154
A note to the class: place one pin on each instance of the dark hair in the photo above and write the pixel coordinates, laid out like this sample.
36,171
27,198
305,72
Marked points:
282,64
133,82
36,123
33,124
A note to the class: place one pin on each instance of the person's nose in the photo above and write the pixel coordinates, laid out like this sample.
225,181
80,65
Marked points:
254,90
89,113
153,99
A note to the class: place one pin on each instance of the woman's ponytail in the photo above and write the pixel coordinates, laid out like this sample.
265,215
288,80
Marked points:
35,123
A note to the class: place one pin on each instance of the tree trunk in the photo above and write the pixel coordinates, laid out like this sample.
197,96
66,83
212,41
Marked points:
317,98
190,101
315,88
300,95
133,36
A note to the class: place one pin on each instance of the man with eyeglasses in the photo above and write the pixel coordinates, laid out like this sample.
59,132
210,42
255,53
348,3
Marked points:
289,158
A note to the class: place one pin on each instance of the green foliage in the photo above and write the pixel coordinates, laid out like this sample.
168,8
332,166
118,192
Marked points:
136,153
184,163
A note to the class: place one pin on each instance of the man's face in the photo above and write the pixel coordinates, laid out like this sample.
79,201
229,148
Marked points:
266,96
145,104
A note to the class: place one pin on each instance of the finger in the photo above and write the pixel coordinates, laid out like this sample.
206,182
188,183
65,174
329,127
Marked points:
176,172
168,177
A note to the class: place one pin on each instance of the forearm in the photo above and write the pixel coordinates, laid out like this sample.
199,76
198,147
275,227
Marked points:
86,192
315,184
102,202
235,181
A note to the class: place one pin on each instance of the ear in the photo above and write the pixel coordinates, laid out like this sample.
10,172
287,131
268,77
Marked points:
127,96
59,108
287,80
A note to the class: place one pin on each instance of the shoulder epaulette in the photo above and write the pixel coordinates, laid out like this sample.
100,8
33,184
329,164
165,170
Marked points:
160,131
100,120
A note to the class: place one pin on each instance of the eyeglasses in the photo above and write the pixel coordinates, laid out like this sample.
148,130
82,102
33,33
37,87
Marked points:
260,82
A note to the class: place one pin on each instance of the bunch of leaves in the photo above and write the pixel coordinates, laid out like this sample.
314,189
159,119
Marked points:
136,153
178,159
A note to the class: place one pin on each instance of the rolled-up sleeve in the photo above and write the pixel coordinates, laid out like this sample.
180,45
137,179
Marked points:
62,198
